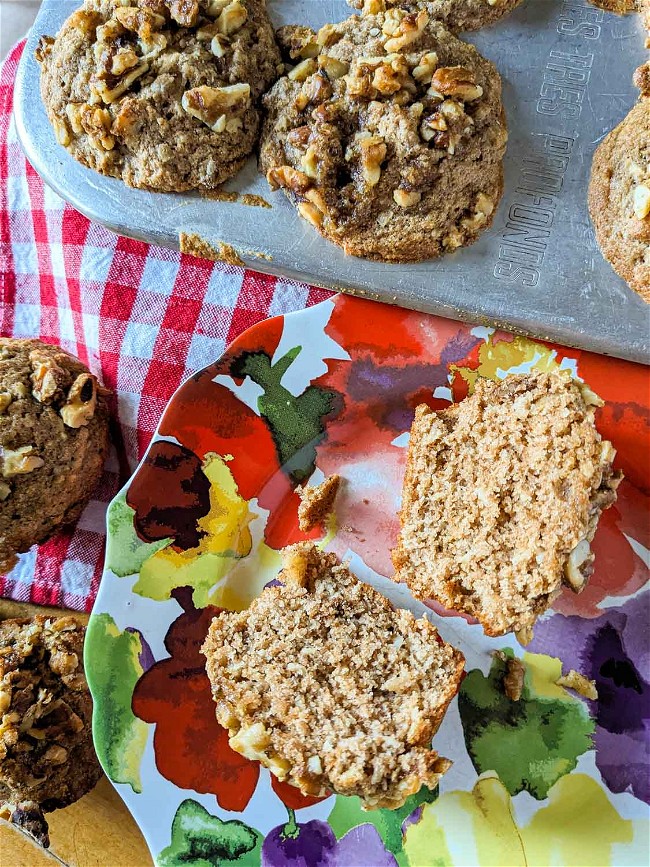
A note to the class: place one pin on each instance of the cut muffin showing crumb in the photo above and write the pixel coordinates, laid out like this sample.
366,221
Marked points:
317,502
501,498
47,759
331,688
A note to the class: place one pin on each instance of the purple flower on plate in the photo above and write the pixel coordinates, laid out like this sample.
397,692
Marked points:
362,847
313,844
296,845
613,650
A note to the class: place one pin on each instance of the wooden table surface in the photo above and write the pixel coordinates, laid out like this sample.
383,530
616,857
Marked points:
97,831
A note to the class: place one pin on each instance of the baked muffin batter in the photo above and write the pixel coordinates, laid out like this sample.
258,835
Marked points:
53,441
161,93
619,198
388,134
329,687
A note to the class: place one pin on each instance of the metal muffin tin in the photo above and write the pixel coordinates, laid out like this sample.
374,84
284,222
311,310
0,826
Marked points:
567,80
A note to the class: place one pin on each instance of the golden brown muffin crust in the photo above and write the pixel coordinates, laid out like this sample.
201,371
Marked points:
53,441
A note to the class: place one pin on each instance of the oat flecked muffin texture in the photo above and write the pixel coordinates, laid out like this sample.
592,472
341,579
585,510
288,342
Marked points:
53,441
501,497
457,15
387,134
317,502
47,758
619,198
331,688
160,93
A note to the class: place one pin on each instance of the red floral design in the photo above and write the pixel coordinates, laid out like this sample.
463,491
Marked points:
190,746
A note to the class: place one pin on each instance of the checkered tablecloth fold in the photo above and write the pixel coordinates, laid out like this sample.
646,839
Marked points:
143,318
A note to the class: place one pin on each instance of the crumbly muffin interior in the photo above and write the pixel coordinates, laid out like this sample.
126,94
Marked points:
328,686
502,495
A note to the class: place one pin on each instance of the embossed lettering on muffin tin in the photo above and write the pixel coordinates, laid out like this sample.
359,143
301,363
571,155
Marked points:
567,80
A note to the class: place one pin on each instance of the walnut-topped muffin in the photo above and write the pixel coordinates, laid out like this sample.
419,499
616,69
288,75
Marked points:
53,441
47,758
388,134
160,93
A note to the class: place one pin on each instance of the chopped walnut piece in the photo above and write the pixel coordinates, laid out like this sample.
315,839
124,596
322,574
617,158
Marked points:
142,21
214,7
406,199
578,566
5,399
411,25
81,401
373,152
641,201
513,678
48,379
83,20
108,94
289,178
316,502
316,198
371,77
318,88
299,136
332,67
5,493
232,18
427,64
18,462
311,213
97,122
456,81
309,162
303,70
184,12
43,48
61,131
298,42
579,683
328,35
431,126
218,45
217,106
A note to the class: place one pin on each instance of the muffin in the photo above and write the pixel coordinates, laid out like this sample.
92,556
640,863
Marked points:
53,441
501,498
329,687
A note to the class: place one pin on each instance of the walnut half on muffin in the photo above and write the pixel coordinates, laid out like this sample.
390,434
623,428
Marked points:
329,687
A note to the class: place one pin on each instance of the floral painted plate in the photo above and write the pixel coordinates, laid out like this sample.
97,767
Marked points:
551,779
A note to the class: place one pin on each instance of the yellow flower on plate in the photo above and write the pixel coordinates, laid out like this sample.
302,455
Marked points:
577,825
226,539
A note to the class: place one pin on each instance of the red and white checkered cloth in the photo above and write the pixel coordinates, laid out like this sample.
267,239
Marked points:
142,318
